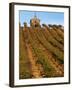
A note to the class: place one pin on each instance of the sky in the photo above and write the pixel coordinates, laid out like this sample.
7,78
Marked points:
45,17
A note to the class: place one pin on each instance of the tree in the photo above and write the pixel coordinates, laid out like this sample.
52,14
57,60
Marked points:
25,24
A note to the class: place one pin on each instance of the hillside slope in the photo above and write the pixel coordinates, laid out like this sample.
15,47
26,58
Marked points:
41,52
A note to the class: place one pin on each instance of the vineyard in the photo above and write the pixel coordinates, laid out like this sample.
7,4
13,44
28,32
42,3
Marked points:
41,52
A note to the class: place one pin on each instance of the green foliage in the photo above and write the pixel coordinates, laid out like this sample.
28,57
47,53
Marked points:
25,24
39,39
50,38
42,57
24,65
48,46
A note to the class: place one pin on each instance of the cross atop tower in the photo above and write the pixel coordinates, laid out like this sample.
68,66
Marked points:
35,15
35,21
